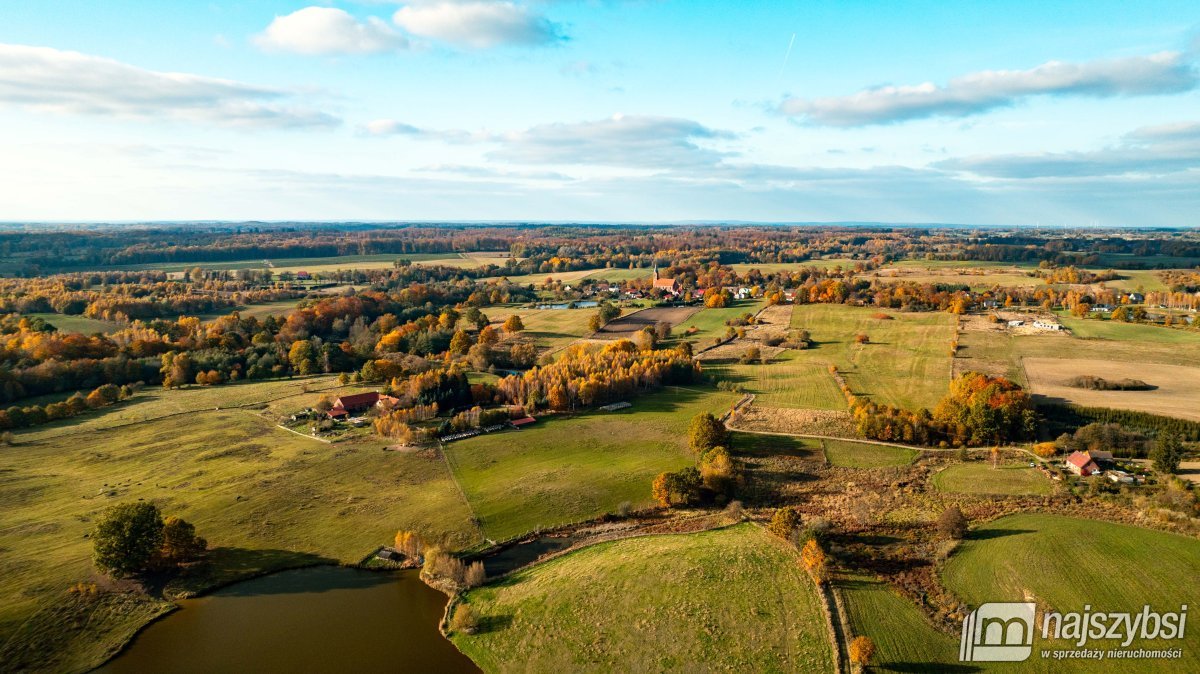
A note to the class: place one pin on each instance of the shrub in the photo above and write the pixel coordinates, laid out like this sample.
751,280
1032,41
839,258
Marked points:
862,338
862,650
784,522
952,523
464,620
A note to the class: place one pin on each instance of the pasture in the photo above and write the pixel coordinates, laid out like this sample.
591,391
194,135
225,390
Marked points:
81,324
905,640
787,267
786,381
548,328
724,600
1070,563
569,468
850,454
710,323
907,362
1177,392
981,478
264,498
625,326
1108,329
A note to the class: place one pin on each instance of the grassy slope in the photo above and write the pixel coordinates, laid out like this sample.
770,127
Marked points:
81,324
981,478
263,497
904,639
850,454
711,322
1106,328
730,599
1111,567
786,381
566,469
907,362
548,328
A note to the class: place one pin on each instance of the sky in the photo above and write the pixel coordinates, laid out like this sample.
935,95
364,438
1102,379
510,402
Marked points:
1011,113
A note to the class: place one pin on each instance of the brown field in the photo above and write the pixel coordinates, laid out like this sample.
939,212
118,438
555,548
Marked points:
1177,395
625,326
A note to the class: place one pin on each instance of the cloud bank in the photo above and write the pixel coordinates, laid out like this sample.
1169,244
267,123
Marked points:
975,93
46,79
478,24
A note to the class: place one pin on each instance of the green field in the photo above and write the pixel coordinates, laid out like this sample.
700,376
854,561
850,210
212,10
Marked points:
264,498
905,640
81,324
850,454
772,267
725,600
548,328
710,323
981,478
1068,563
1106,328
566,469
907,362
786,381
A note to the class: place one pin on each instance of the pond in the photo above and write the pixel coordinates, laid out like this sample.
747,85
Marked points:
320,619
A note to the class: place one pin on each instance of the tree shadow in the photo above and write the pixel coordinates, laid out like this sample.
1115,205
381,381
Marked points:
987,534
230,565
493,623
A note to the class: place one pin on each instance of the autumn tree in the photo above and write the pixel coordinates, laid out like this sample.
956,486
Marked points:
719,471
408,543
706,432
784,522
681,487
513,325
862,651
464,619
475,575
814,560
952,523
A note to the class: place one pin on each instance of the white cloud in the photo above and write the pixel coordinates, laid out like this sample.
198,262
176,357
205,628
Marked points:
1163,73
478,24
328,31
1155,151
45,79
637,141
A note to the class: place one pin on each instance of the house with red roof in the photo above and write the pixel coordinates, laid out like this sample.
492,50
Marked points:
1081,464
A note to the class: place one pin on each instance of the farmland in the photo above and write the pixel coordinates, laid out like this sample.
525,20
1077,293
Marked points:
570,468
1070,563
709,324
906,363
548,328
264,498
627,325
850,454
81,324
982,478
729,599
786,381
1176,390
905,639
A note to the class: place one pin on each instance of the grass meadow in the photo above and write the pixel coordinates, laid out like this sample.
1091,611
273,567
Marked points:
907,362
710,323
785,381
905,641
850,454
81,324
264,498
566,469
730,599
1070,563
981,478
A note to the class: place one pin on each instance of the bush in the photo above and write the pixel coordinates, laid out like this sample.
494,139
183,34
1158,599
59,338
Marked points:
952,523
464,620
784,522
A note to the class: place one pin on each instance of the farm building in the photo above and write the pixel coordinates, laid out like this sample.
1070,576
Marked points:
523,421
1047,325
344,406
1081,464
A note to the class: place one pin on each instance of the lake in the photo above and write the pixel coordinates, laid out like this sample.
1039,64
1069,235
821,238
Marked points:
320,619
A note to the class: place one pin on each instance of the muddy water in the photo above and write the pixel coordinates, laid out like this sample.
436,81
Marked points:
322,619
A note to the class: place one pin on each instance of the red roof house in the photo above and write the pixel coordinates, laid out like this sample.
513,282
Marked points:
1082,464
668,284
522,421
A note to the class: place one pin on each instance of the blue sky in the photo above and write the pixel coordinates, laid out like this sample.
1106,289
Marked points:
1077,113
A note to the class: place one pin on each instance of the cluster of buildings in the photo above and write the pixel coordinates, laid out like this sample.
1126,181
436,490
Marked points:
1098,462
